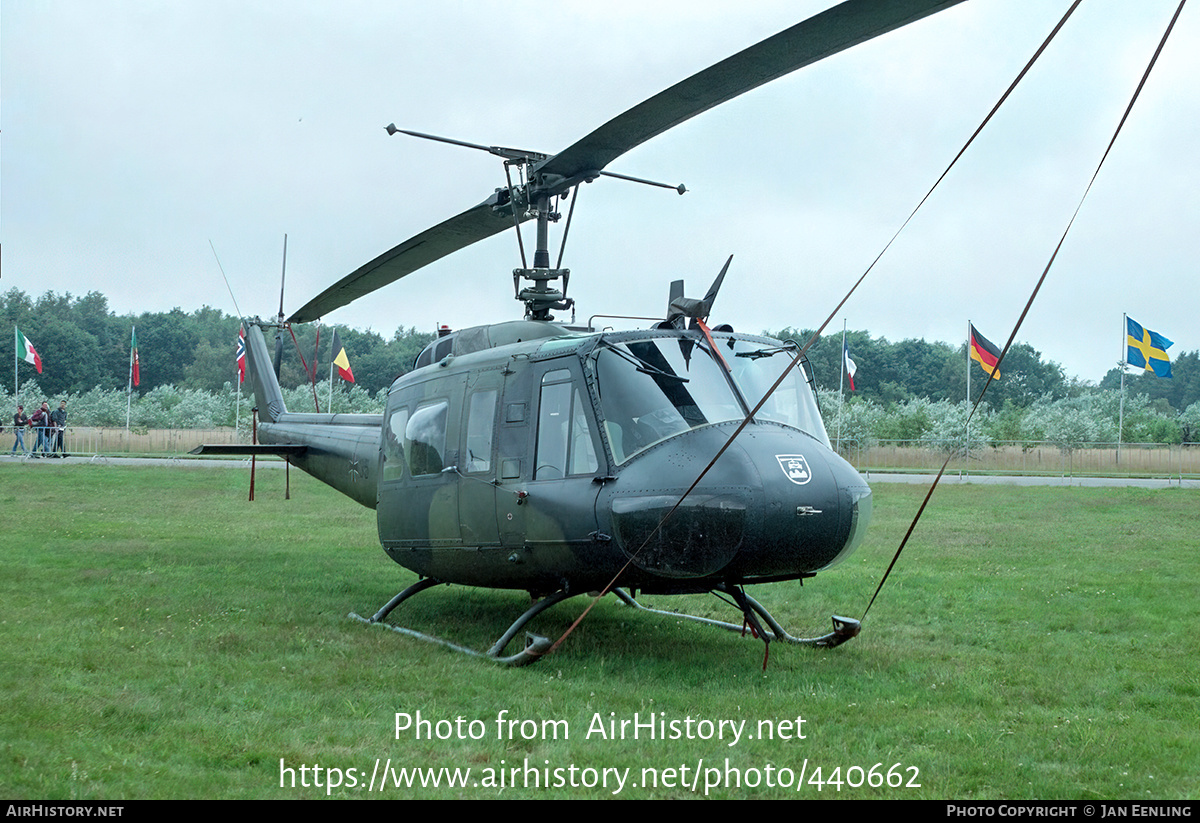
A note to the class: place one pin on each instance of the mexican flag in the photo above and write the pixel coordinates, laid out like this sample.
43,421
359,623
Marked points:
31,355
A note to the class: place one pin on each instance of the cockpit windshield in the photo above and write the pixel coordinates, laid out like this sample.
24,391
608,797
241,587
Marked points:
755,369
654,389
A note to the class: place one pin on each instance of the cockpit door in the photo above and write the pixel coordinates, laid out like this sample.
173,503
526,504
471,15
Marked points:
477,459
549,458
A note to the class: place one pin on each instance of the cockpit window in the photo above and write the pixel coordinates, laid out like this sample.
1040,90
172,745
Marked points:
425,439
654,389
481,420
393,448
756,367
564,444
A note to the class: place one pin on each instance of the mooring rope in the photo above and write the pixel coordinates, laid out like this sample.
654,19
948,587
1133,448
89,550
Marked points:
816,334
1037,287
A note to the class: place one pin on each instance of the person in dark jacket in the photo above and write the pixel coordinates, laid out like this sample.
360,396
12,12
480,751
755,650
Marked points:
58,418
20,422
41,424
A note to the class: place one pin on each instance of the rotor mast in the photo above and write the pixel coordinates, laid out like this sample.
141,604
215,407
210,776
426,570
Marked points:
541,297
536,198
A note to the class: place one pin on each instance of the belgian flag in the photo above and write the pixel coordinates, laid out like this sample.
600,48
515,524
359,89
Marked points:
341,360
985,352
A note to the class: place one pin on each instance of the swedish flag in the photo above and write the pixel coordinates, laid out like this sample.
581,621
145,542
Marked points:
1147,349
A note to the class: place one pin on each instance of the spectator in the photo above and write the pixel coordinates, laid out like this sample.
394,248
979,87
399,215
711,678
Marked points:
41,424
58,418
20,421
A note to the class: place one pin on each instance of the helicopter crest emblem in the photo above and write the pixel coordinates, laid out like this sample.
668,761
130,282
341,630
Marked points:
795,467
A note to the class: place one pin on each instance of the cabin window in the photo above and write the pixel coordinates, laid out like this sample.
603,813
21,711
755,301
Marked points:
425,439
393,449
443,348
564,442
481,417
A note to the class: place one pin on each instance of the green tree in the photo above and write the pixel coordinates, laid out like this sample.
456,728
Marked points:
1181,390
166,347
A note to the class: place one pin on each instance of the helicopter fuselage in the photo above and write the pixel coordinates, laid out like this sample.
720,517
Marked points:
527,456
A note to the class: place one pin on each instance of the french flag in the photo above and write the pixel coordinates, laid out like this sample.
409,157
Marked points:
850,365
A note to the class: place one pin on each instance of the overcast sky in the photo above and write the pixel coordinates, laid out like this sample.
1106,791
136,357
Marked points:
133,133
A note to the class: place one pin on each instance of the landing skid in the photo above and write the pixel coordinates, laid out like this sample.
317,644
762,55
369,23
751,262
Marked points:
535,644
844,628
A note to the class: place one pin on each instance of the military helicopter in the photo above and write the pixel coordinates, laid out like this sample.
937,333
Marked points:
557,459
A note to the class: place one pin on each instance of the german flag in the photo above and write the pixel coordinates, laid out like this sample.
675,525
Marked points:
984,351
341,360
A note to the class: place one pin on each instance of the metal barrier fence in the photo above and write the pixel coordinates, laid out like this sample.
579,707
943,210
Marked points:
93,440
1037,458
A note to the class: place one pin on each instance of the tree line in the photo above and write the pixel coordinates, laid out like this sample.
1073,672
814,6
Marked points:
906,390
1093,418
893,373
84,345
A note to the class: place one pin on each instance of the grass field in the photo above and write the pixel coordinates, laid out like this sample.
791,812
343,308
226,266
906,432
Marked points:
163,638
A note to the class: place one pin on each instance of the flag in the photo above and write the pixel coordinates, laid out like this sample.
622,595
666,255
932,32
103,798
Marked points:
851,366
31,355
985,351
340,359
135,367
1147,349
241,354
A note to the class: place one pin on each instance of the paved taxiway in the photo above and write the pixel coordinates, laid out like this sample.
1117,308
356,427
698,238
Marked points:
872,477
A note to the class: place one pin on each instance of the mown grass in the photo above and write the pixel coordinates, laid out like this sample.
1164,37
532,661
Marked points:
163,638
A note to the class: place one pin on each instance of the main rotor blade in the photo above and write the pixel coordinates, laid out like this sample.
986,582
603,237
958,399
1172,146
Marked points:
460,231
827,33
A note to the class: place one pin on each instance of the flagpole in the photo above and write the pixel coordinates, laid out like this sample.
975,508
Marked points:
15,333
1123,364
841,394
968,361
237,407
129,388
968,423
239,365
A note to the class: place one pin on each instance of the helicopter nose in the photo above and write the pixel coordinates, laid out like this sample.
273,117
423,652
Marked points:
855,509
669,535
693,537
777,504
816,507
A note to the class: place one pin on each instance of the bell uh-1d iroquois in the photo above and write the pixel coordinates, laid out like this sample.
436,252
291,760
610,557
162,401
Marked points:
558,460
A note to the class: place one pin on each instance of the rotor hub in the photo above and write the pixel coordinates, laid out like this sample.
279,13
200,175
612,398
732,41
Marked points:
540,299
